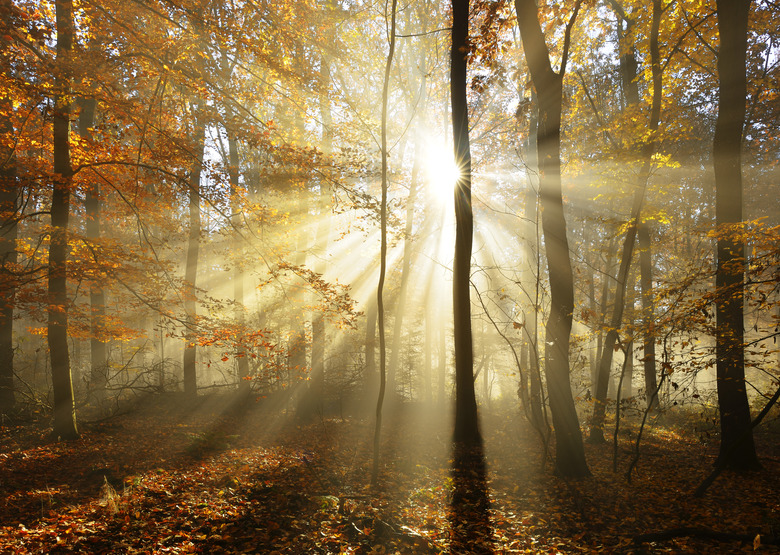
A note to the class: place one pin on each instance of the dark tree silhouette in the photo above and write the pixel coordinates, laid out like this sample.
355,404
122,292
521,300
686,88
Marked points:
62,384
730,277
466,423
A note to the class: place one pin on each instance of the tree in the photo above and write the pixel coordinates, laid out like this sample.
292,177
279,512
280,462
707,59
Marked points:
9,203
466,422
57,332
730,277
97,301
383,252
648,149
9,193
193,250
570,453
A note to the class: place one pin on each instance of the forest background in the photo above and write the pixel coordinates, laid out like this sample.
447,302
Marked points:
200,197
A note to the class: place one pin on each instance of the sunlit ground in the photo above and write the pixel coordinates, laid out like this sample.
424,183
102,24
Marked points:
210,478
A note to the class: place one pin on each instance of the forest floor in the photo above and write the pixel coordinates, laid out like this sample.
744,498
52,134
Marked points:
221,478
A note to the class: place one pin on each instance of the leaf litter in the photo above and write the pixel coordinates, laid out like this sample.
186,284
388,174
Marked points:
215,480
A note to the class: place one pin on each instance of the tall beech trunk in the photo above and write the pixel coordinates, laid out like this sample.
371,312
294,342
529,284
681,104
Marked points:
628,77
466,420
97,302
730,277
321,239
531,213
191,268
603,307
383,254
570,452
238,251
648,315
628,362
648,149
57,330
9,202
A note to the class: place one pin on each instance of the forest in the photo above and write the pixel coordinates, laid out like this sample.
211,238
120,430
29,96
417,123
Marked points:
357,276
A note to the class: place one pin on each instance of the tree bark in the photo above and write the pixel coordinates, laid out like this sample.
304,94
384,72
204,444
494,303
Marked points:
628,75
570,453
321,239
191,268
371,377
730,276
466,420
98,351
57,332
648,315
531,213
599,402
383,255
238,252
9,203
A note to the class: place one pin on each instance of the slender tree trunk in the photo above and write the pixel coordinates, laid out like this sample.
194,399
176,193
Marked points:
570,452
191,269
371,378
599,406
628,363
628,74
383,254
98,351
238,252
648,315
593,308
321,240
603,308
62,384
531,210
466,421
730,277
9,203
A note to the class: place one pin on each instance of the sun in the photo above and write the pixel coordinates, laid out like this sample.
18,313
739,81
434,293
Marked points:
441,171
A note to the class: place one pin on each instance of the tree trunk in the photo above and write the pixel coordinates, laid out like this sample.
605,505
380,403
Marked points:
603,308
62,384
628,75
383,255
322,236
648,315
466,422
9,203
238,252
729,280
98,351
531,213
628,361
191,269
570,453
599,403
370,378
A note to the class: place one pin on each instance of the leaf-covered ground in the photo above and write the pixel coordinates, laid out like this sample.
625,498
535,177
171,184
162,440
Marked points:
221,478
